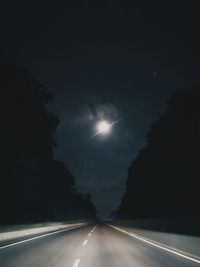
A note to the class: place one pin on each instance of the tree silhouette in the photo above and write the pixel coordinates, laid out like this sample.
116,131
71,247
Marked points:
34,186
163,179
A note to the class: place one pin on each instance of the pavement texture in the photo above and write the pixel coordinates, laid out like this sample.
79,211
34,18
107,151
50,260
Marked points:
91,246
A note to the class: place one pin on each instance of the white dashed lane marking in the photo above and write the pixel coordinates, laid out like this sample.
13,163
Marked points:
85,242
76,263
93,229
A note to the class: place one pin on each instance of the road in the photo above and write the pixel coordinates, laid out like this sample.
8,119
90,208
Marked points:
89,246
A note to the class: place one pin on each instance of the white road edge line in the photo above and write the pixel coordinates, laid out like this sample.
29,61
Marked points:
37,237
156,245
85,242
76,263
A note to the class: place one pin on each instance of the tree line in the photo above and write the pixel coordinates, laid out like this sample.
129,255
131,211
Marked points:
34,185
163,180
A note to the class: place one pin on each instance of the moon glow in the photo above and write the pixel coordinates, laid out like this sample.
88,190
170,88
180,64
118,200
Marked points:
104,127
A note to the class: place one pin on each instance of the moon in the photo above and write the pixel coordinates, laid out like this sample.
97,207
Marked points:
104,127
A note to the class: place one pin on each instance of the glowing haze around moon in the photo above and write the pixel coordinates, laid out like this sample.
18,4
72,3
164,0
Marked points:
104,127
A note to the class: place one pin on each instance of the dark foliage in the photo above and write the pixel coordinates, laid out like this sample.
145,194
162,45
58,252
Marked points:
163,180
33,186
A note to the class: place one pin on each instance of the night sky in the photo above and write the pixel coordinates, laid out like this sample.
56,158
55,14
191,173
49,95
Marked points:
114,62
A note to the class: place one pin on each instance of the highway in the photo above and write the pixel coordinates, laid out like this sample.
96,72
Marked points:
89,246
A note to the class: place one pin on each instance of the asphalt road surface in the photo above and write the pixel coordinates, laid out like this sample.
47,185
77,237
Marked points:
89,246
